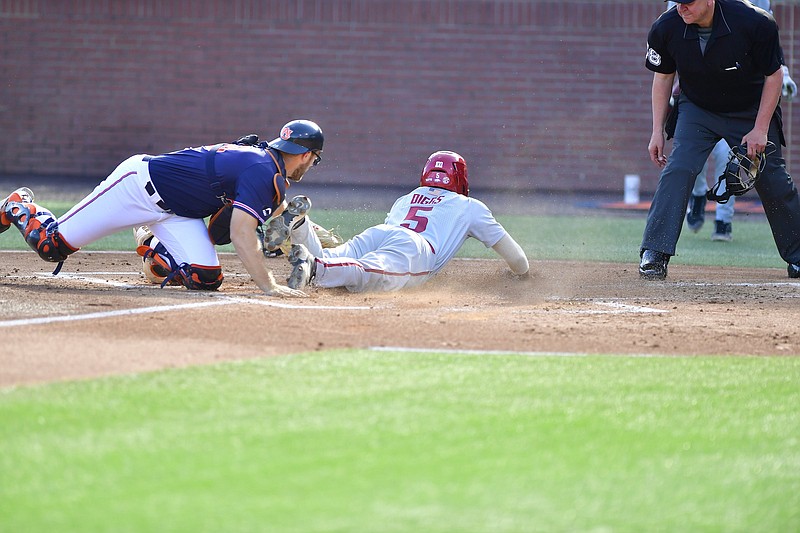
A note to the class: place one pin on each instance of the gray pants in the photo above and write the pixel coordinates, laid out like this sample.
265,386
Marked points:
723,212
696,133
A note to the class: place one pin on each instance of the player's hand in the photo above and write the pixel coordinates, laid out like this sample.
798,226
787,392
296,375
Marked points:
756,142
656,150
283,291
789,89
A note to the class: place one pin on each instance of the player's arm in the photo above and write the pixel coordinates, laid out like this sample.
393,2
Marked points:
660,95
245,240
756,139
508,249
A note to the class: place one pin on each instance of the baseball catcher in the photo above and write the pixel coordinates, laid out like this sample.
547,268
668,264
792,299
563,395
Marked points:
167,197
274,239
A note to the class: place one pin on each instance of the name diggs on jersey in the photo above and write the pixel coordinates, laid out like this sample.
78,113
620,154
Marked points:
420,199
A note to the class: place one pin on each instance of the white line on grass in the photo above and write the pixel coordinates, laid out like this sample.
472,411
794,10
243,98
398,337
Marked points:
107,314
217,300
165,308
406,349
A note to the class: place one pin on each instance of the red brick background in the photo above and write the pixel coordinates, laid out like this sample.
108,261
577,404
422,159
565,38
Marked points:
549,95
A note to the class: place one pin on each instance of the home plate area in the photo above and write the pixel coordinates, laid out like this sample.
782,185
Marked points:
104,319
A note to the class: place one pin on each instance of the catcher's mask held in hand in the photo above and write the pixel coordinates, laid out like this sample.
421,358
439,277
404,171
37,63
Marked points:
741,173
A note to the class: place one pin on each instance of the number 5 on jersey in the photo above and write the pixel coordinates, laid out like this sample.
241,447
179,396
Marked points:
420,222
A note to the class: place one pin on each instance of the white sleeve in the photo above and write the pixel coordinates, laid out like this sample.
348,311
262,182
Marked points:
513,254
483,226
303,234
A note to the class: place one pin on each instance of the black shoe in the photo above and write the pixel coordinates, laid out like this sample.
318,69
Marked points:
793,270
653,265
722,232
696,215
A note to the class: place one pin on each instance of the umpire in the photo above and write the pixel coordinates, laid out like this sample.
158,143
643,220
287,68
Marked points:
728,58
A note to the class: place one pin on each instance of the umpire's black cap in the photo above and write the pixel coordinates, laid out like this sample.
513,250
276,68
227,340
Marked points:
299,137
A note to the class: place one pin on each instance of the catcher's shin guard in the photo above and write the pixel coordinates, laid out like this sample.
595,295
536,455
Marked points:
39,228
201,278
157,263
21,195
154,266
161,269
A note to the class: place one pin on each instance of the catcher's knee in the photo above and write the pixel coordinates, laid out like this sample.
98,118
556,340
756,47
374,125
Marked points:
39,228
160,267
201,278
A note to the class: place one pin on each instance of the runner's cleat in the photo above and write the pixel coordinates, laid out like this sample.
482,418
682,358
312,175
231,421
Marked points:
305,267
277,231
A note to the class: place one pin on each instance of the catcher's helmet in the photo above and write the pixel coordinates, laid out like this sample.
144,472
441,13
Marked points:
299,137
741,173
446,170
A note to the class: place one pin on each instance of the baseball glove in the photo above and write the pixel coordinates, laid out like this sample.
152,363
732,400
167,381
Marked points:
329,238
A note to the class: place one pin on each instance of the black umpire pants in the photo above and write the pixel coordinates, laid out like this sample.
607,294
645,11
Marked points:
696,133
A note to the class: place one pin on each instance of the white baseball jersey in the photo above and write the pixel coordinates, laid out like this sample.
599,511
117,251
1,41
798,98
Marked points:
421,233
445,219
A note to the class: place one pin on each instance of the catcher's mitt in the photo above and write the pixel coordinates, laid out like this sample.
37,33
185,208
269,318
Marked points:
329,238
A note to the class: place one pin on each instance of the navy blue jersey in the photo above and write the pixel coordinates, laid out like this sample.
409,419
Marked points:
744,47
247,175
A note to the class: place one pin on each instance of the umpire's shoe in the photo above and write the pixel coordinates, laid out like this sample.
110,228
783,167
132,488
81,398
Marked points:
653,265
793,270
23,195
305,267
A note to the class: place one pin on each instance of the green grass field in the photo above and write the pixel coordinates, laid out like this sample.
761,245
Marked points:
380,441
366,441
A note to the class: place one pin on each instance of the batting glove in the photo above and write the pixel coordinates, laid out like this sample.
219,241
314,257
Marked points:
789,86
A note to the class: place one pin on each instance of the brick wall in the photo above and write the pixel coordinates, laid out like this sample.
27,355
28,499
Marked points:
549,95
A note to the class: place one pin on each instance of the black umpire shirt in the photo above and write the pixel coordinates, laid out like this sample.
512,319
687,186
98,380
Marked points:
743,48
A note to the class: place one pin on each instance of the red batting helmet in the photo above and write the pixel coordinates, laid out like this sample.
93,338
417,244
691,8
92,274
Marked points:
446,170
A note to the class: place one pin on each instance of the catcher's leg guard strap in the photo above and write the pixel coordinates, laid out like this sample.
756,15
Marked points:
165,270
157,264
201,278
39,228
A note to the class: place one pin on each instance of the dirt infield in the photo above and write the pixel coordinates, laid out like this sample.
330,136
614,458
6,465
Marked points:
98,317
